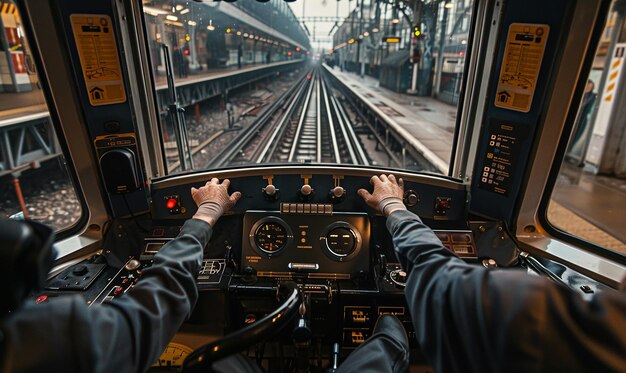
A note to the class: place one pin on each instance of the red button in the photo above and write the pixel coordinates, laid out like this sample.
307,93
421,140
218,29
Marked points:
118,290
171,203
41,299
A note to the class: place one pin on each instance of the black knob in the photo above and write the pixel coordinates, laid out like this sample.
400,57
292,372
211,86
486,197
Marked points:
80,270
411,198
249,275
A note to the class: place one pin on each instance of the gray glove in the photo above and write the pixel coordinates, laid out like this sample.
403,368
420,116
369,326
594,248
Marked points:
213,200
387,196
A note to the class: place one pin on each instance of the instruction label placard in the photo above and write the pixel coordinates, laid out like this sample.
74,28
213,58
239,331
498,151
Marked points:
501,157
99,60
526,43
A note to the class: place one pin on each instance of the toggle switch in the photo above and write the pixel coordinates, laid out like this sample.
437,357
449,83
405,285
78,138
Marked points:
337,194
271,193
306,192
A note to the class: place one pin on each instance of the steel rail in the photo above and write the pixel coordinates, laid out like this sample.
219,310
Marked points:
331,125
270,146
318,114
306,103
228,154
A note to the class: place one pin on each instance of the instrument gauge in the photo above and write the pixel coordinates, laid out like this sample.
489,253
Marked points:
173,356
341,241
270,235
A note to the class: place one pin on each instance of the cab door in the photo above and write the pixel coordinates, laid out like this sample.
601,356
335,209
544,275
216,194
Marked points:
527,75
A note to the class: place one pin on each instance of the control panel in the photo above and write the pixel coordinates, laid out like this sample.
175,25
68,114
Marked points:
312,245
439,201
124,280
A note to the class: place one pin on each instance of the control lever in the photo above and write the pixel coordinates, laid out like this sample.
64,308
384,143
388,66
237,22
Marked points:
382,265
302,336
334,358
230,256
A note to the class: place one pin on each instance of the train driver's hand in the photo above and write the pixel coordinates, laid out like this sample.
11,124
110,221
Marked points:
387,195
213,200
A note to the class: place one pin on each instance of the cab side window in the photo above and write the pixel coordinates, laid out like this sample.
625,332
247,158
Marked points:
589,197
34,179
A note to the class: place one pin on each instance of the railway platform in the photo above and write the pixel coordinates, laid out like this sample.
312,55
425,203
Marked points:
429,122
207,74
211,83
20,104
586,205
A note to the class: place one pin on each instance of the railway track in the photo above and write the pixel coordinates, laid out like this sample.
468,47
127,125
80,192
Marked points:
306,125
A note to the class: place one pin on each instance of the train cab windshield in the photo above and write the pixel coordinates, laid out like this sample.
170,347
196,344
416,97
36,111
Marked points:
291,112
277,184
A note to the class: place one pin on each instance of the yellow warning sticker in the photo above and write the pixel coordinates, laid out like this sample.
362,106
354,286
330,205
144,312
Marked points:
95,41
519,72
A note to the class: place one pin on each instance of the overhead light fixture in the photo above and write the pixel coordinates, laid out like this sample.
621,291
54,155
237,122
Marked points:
179,7
191,23
395,21
184,11
375,30
171,17
366,33
245,34
238,33
360,36
448,5
210,27
153,11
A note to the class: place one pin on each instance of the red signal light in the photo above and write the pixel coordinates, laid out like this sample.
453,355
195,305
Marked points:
187,52
171,203
308,76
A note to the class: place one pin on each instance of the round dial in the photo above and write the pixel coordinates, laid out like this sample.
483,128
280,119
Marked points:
173,356
271,236
341,241
398,277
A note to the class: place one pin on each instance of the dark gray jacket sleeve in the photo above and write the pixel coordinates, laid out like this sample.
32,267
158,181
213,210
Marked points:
470,319
125,335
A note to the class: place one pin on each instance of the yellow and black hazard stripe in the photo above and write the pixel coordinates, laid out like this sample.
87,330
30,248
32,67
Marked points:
8,7
614,70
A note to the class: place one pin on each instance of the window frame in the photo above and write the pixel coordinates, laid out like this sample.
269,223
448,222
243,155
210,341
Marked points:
533,230
58,85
